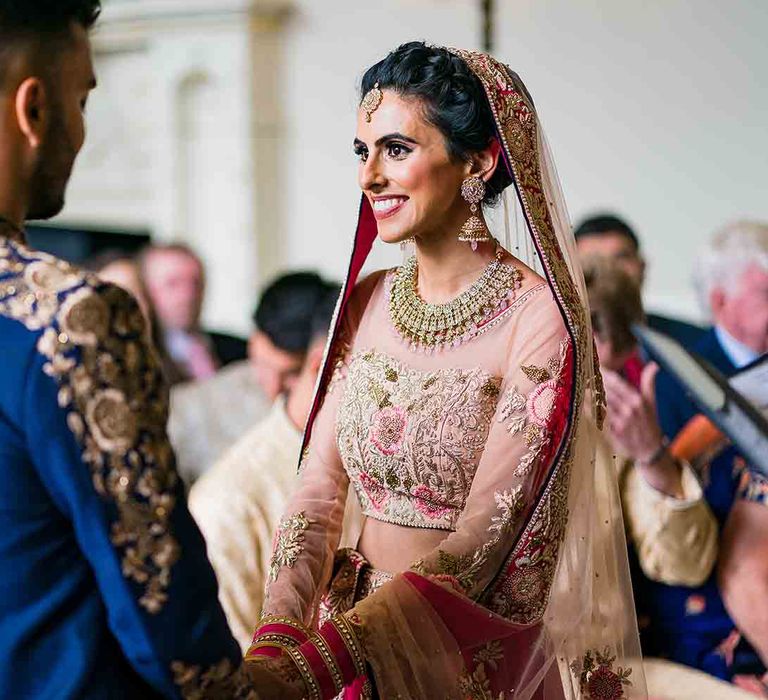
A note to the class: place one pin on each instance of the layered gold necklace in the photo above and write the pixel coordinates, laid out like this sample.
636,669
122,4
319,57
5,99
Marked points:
435,326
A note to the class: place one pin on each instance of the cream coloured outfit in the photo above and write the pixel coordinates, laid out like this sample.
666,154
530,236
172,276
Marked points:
675,538
207,417
238,504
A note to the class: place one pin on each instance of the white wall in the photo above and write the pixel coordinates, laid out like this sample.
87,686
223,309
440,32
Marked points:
654,109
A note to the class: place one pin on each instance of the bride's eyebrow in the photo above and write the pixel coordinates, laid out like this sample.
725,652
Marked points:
396,136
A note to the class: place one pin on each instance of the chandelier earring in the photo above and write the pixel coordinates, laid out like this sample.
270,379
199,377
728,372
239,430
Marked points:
474,230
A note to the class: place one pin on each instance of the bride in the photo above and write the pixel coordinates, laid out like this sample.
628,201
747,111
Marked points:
457,399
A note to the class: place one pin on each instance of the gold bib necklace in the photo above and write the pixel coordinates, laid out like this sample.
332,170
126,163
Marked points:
432,327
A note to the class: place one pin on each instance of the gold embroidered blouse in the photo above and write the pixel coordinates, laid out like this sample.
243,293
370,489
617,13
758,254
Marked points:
457,441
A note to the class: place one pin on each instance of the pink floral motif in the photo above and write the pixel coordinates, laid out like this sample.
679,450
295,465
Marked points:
375,490
605,684
541,402
388,429
427,502
598,680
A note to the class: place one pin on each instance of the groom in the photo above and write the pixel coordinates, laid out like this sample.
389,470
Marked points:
106,591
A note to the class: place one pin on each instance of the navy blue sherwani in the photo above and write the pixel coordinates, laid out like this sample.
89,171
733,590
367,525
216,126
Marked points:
106,591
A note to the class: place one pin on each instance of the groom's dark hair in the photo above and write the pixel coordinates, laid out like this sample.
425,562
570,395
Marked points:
37,24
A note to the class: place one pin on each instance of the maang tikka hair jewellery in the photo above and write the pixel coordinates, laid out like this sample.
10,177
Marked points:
474,230
371,101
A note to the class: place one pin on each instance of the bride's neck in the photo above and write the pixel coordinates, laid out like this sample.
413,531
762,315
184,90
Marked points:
448,266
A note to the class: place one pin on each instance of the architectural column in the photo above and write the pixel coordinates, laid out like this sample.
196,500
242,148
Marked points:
184,133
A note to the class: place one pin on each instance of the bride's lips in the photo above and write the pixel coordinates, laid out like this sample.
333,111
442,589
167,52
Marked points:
386,206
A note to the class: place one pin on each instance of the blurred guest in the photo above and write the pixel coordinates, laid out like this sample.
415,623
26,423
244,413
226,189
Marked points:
672,529
106,591
175,280
119,268
283,329
610,237
238,503
724,629
208,417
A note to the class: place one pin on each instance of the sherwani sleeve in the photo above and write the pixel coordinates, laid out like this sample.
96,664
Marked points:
95,410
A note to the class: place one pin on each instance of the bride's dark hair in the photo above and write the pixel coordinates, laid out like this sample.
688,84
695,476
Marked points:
454,100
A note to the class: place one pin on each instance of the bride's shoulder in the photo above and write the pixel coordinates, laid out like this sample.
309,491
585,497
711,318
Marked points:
368,283
365,291
539,314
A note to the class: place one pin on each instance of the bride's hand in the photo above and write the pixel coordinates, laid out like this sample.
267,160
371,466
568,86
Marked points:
275,678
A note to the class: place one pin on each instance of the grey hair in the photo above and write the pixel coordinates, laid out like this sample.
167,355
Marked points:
727,255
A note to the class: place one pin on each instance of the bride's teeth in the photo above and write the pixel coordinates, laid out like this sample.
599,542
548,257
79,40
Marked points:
384,204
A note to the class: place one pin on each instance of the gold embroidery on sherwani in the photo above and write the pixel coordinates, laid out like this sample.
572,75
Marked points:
112,391
222,680
411,440
289,543
598,680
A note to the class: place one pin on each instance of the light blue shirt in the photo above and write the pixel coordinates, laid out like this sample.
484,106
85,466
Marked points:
738,353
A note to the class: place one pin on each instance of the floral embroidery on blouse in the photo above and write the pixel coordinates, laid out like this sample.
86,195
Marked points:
289,542
411,440
222,680
465,568
338,356
111,389
521,594
388,429
530,415
597,678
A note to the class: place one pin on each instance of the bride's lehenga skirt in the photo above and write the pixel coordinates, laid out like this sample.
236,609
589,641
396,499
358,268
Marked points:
353,579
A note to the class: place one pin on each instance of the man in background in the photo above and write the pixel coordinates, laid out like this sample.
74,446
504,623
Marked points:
175,280
208,417
722,625
239,502
610,237
106,590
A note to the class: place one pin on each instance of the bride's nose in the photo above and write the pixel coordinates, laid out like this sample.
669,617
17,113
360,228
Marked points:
372,175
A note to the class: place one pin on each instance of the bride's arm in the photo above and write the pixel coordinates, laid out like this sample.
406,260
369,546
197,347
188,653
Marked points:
309,531
530,422
308,534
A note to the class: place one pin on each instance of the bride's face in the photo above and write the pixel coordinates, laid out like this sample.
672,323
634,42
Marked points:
406,172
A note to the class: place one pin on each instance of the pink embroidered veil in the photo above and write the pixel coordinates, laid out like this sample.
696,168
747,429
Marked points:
555,616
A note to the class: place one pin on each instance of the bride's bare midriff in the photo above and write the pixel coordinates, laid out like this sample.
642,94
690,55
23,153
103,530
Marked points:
396,548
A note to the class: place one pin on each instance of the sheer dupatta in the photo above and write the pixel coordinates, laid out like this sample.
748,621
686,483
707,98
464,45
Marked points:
530,597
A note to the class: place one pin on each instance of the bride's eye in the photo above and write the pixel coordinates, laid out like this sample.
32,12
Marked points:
362,153
397,151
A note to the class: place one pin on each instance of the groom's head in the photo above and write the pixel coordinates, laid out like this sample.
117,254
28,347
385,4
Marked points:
46,75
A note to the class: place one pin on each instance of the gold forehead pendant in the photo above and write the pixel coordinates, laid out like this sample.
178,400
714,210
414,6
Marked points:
371,101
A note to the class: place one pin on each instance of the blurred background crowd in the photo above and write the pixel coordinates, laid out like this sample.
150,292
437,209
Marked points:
217,187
